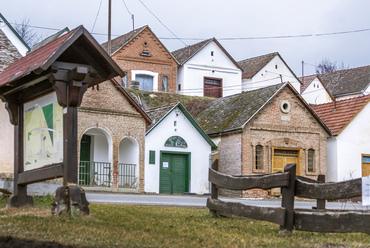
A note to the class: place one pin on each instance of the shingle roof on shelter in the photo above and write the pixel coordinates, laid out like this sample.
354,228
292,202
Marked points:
338,114
49,39
253,65
232,112
41,59
349,81
122,40
183,54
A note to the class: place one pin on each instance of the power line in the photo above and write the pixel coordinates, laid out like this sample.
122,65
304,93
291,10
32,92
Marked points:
230,38
96,18
162,23
127,8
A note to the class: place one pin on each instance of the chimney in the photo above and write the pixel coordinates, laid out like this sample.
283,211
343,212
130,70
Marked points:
134,85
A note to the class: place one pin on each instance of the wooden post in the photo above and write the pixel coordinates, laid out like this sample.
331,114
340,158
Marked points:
214,189
320,204
287,201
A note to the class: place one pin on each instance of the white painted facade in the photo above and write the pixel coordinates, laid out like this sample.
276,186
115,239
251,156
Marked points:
198,148
210,62
274,72
345,151
315,93
7,143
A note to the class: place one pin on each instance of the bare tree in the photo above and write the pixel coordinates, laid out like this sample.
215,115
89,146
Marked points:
326,65
26,33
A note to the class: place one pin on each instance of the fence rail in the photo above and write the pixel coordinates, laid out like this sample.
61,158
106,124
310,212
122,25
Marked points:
95,174
317,220
127,175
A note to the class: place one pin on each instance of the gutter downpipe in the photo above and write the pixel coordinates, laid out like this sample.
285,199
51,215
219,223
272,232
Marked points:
210,165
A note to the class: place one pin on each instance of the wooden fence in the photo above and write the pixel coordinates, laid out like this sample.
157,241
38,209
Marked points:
318,219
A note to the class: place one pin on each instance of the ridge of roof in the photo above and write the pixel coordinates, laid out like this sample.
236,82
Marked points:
14,31
163,111
346,81
184,54
120,41
337,115
232,112
49,39
253,65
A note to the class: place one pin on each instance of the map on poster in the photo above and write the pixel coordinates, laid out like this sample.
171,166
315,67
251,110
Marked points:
43,132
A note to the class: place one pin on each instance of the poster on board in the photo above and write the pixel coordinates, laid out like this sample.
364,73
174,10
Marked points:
43,132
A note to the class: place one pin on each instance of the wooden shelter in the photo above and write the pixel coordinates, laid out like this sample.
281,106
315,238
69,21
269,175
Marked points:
65,67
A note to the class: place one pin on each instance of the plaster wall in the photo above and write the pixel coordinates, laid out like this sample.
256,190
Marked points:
315,93
203,64
352,142
270,75
197,146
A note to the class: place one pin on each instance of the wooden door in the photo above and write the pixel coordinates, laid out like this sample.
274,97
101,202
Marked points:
173,174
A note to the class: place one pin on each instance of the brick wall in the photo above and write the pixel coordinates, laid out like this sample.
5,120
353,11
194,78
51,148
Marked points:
160,61
271,128
108,110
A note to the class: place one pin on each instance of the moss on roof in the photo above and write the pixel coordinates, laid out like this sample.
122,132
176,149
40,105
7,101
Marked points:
150,99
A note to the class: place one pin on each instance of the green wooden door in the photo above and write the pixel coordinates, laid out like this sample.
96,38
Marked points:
173,174
84,170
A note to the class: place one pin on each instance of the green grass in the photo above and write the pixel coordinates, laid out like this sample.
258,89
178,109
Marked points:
146,226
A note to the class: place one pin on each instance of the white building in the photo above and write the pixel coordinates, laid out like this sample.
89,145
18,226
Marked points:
337,85
267,70
207,69
177,152
348,151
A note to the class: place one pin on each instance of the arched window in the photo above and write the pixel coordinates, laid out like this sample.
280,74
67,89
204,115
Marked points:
258,157
311,160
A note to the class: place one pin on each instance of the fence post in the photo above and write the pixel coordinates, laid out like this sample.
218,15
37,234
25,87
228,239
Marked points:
320,204
287,201
214,189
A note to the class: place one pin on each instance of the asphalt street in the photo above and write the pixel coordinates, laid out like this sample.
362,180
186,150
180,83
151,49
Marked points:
200,201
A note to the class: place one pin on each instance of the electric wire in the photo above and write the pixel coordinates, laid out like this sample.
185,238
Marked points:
96,18
163,23
127,8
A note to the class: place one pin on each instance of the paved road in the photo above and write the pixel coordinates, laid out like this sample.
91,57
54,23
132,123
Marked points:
200,201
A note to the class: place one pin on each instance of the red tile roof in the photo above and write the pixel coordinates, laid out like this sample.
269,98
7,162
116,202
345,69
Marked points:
32,61
337,115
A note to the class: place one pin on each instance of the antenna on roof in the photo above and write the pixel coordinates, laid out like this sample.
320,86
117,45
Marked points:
133,22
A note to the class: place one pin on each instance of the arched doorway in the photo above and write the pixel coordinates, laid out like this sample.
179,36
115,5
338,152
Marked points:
95,167
128,163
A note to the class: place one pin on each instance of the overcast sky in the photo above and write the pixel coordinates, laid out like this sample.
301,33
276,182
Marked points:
237,24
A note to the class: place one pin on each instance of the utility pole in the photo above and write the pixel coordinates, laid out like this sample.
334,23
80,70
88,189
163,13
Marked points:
109,27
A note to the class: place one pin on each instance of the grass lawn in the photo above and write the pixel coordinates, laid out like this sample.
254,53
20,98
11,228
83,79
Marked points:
147,226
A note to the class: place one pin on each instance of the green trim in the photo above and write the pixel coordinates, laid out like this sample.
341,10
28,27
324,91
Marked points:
15,32
192,121
151,157
188,164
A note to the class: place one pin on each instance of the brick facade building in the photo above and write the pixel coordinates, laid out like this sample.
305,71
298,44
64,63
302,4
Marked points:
144,58
116,130
261,131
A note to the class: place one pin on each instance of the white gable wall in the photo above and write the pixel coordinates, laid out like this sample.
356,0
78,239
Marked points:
22,49
270,75
349,147
197,146
191,74
315,93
